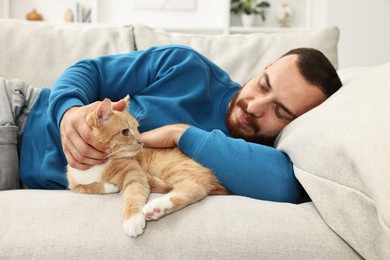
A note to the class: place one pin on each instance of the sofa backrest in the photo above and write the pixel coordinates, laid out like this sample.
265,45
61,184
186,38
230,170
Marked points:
39,52
243,55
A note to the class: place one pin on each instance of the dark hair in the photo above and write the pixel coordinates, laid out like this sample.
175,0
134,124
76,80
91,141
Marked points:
316,68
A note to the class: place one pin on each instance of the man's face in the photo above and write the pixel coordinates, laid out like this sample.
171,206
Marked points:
270,101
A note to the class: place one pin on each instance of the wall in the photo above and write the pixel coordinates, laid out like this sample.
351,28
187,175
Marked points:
364,24
365,27
210,14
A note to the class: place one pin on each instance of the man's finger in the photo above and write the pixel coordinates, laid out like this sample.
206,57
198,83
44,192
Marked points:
78,152
88,145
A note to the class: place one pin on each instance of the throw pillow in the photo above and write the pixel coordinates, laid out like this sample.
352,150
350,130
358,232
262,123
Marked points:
340,152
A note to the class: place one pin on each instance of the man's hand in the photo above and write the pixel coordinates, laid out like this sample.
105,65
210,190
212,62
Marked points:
164,137
80,147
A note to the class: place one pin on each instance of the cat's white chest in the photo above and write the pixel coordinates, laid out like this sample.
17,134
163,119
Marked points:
93,175
84,177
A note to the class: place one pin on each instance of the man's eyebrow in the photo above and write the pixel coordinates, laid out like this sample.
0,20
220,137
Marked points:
287,110
266,77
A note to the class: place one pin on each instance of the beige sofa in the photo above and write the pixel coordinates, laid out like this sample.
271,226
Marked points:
340,152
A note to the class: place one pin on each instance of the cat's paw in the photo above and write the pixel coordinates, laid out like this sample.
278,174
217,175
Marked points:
135,225
155,209
110,188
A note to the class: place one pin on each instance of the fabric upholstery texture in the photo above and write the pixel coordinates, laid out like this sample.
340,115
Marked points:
38,224
40,52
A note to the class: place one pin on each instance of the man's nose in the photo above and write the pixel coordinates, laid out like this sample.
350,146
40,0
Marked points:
257,107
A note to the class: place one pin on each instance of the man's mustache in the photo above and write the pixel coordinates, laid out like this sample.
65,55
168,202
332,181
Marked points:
248,116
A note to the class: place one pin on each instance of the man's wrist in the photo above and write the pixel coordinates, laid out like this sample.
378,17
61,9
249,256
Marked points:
178,132
61,107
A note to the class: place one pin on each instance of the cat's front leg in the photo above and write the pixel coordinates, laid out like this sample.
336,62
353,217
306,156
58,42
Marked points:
157,208
135,192
135,225
184,193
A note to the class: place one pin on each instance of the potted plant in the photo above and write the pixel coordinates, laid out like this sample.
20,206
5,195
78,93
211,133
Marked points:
249,9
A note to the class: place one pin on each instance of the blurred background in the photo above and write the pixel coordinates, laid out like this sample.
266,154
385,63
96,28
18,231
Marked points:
364,25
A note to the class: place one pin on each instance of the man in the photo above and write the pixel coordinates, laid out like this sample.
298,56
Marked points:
182,99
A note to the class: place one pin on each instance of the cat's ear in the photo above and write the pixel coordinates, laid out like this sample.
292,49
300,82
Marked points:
122,104
104,111
127,100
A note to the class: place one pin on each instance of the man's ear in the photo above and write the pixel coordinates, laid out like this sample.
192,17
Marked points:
104,111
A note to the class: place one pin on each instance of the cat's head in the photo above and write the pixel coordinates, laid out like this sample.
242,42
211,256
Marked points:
116,129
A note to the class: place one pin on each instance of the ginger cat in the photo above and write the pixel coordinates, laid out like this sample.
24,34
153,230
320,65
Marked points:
138,171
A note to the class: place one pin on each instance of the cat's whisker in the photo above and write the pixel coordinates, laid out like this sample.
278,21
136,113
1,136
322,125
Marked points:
141,119
138,115
122,150
138,112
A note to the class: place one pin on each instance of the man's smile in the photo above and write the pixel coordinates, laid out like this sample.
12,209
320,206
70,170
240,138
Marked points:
244,118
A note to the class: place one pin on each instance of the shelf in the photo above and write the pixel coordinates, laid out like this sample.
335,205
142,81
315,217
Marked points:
52,11
302,12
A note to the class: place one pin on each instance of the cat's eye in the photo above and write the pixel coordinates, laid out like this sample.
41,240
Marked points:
125,132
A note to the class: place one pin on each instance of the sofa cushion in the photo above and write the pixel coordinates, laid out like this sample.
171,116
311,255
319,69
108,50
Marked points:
41,224
243,56
341,155
40,52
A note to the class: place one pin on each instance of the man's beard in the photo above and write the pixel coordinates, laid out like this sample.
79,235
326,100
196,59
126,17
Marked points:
234,128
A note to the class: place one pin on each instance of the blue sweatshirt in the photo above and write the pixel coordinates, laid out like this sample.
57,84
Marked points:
167,85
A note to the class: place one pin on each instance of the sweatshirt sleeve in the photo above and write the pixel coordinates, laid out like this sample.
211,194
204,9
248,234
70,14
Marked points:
94,79
244,168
